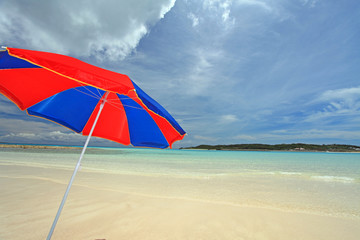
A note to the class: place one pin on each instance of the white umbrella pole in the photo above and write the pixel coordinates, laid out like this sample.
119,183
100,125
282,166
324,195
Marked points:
76,169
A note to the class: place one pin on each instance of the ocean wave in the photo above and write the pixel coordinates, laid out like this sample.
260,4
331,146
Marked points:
290,173
334,179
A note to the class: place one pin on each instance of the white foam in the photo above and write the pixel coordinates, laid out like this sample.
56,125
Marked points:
334,179
290,173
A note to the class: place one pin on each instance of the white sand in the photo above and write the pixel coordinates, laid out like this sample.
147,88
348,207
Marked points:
98,209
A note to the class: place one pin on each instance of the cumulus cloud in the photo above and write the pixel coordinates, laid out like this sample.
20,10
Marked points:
110,29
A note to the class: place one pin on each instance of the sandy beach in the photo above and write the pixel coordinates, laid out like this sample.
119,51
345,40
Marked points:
179,120
115,206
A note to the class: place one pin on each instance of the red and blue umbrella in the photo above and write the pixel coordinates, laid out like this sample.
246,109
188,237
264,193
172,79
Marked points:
86,99
69,92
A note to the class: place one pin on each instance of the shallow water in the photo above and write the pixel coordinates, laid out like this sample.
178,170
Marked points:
318,183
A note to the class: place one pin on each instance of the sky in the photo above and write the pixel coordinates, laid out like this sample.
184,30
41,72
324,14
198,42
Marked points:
229,72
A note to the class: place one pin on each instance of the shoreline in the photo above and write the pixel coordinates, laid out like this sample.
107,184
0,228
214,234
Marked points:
293,147
28,146
265,150
35,146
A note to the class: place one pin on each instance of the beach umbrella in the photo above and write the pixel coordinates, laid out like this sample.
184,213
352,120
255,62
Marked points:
86,99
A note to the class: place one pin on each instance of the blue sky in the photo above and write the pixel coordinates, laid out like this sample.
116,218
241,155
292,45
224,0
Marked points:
245,71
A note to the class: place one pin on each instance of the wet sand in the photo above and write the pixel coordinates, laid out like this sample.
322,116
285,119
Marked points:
104,206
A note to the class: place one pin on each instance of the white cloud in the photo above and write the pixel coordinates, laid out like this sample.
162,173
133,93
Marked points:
310,3
206,138
260,4
227,119
226,11
20,135
314,134
298,135
244,137
200,78
47,136
166,7
110,29
35,130
220,9
7,107
53,137
194,19
20,126
339,102
347,94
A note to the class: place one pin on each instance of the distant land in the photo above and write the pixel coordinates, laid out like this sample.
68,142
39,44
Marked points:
281,147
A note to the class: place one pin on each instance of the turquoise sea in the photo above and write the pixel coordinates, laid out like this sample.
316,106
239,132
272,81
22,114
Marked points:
311,182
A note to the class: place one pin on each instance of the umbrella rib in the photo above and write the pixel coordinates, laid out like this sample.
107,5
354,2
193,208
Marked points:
100,95
115,105
112,103
92,94
89,94
98,91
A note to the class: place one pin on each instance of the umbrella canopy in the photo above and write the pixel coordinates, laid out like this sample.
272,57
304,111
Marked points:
69,92
86,99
